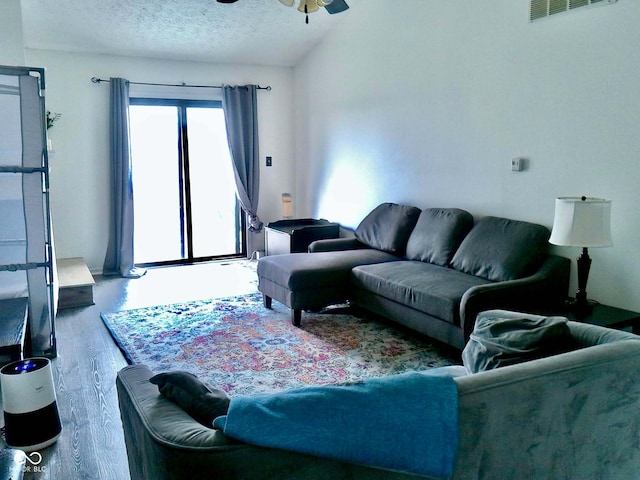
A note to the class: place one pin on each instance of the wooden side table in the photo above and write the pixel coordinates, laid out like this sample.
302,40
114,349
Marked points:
13,326
607,316
76,283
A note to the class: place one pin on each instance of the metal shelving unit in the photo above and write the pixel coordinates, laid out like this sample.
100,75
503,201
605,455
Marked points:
27,262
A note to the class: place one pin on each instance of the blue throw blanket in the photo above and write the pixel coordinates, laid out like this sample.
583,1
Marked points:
406,423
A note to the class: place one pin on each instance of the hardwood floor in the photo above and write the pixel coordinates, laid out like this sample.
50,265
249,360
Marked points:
92,444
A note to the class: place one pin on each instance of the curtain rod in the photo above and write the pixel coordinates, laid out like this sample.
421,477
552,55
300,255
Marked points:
98,80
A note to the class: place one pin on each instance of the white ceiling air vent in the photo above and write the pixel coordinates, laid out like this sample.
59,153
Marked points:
544,8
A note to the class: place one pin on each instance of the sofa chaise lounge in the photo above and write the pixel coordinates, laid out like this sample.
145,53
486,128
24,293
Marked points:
431,270
563,417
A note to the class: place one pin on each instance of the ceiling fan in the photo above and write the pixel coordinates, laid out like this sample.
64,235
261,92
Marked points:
310,6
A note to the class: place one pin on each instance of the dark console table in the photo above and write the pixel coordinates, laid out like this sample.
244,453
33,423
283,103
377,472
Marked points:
603,315
295,236
607,316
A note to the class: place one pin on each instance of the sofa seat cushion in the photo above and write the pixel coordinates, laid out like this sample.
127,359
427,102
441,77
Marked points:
501,249
438,234
300,271
428,288
387,227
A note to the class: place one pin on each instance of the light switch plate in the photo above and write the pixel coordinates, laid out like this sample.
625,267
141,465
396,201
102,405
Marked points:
518,164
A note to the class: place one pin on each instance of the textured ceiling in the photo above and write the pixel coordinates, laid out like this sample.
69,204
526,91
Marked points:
262,32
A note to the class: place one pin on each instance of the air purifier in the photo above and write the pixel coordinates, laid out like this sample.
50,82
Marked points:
31,416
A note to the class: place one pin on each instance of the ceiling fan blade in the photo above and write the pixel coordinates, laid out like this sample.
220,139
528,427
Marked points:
337,6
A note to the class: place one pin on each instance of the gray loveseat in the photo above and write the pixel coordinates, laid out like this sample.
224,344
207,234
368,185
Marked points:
564,417
432,270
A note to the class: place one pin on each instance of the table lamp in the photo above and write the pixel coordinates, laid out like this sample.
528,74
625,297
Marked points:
287,206
582,222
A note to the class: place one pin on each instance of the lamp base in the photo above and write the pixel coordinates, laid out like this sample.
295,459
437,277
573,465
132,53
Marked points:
579,307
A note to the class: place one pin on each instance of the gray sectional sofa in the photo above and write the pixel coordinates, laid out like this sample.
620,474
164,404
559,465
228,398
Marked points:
432,270
568,416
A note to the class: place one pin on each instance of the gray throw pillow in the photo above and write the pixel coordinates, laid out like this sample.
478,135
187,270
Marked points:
501,249
498,341
438,234
387,227
194,397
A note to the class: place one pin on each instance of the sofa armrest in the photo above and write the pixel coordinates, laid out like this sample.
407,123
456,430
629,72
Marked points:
336,244
572,415
548,287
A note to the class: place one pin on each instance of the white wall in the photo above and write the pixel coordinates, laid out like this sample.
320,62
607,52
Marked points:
422,103
11,45
426,102
80,164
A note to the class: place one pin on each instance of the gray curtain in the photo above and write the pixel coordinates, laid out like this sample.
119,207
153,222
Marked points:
119,257
241,118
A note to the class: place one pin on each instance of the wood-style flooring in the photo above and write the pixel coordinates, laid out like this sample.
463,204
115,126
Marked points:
92,444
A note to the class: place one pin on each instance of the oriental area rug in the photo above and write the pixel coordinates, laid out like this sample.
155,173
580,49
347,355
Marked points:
240,346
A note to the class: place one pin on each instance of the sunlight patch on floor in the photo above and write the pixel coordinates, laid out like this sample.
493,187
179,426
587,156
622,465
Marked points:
165,285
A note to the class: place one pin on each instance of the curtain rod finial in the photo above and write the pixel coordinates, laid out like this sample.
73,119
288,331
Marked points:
95,79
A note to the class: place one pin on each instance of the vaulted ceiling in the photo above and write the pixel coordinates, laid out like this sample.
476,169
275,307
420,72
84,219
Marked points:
261,32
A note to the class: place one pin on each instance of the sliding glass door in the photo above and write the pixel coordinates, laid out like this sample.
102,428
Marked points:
185,207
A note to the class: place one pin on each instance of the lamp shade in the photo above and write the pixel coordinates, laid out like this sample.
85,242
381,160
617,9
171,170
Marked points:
582,222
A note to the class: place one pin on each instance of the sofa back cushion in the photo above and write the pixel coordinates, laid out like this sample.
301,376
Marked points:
388,227
500,249
438,234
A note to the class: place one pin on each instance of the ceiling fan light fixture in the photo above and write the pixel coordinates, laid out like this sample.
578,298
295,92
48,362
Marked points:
308,6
